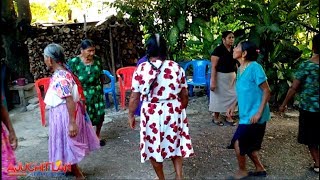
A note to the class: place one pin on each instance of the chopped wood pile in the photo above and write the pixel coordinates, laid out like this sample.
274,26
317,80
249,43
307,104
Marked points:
122,49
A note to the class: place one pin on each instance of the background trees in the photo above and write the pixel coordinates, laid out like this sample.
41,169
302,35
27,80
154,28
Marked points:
15,25
281,28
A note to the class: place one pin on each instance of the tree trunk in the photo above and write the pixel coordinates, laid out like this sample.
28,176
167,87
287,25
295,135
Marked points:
15,29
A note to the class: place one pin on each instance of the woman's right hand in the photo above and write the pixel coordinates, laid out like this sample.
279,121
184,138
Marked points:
230,112
212,86
132,122
282,108
73,129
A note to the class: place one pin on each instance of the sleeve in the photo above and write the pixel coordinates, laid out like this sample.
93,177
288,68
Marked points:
300,74
216,52
259,74
63,87
136,80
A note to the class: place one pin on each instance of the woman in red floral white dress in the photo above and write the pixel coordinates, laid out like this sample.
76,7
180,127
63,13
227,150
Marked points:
164,130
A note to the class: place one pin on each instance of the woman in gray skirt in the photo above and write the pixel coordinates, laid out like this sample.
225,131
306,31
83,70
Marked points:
223,74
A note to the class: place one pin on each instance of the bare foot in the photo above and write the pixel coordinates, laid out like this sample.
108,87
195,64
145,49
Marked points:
240,174
179,177
77,172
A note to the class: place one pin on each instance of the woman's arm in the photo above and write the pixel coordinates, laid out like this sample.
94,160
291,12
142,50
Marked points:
6,120
214,63
71,106
291,92
265,98
133,105
184,98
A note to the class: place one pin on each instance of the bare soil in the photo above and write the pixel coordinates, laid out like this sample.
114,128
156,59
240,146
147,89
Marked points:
282,156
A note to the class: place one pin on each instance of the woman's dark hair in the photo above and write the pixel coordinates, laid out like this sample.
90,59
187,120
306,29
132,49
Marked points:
226,33
251,48
316,44
86,43
156,46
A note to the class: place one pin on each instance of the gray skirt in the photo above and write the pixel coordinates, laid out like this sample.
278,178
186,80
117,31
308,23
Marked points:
224,94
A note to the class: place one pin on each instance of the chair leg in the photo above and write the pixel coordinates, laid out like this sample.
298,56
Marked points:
190,88
115,102
208,91
107,100
123,99
43,114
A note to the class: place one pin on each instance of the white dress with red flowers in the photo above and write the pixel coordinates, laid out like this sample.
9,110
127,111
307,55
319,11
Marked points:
164,127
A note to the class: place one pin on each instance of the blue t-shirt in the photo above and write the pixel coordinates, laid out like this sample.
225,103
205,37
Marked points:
249,93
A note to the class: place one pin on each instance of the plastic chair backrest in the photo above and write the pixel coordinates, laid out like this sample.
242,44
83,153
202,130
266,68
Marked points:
125,77
112,83
183,64
200,70
43,82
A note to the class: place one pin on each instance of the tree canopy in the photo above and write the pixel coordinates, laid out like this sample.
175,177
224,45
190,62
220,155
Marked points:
282,29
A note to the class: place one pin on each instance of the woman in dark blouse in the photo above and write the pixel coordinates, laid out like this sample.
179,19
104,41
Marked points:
223,74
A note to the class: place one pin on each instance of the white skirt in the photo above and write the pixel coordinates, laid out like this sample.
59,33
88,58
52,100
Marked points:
224,94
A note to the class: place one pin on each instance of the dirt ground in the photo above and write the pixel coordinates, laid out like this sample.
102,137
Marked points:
282,156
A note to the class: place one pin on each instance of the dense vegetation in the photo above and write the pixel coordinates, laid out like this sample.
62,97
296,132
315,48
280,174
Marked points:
281,28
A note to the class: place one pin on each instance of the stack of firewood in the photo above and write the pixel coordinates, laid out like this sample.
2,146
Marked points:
126,43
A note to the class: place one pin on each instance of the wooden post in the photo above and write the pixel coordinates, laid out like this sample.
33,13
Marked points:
111,52
85,26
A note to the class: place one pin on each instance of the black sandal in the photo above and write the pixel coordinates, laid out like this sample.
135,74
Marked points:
219,123
102,142
258,173
231,123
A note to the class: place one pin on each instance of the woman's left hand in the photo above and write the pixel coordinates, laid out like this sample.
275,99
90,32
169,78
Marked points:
73,129
132,122
254,119
13,141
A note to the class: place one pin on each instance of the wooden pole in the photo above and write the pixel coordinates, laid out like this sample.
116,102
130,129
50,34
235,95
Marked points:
111,52
85,26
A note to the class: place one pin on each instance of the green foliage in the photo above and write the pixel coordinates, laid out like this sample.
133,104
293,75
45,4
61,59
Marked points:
39,12
61,8
273,27
282,29
181,23
173,35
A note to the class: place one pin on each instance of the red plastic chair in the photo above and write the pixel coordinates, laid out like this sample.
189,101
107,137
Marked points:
41,93
125,81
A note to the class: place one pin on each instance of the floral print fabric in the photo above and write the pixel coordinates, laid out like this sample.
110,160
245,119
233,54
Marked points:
8,157
308,75
89,76
164,125
62,83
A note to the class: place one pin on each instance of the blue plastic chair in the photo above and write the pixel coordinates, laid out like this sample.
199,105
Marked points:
200,70
208,83
111,89
183,63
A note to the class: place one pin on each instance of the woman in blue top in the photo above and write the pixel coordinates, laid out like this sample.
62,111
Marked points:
253,94
306,82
